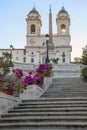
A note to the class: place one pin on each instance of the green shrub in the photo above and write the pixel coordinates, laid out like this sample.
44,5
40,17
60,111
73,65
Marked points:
84,73
55,60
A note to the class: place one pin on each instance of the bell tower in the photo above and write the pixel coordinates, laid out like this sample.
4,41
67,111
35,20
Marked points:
63,36
63,22
34,23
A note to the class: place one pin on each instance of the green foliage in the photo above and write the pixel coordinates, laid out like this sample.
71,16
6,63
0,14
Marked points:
6,66
77,60
84,56
6,55
84,73
55,60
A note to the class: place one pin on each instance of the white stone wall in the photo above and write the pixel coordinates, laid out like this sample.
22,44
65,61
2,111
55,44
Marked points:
17,54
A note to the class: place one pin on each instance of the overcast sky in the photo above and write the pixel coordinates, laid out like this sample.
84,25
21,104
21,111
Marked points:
13,21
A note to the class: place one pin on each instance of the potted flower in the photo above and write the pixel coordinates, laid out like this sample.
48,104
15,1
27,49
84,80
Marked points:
55,60
4,68
45,70
14,83
31,79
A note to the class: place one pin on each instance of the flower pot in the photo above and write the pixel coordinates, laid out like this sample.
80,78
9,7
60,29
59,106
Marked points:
6,91
2,83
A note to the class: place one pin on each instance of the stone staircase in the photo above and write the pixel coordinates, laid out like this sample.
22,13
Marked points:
66,87
67,70
62,107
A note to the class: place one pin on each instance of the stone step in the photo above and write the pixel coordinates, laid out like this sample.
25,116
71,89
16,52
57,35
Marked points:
59,102
51,106
45,128
49,109
31,114
65,104
55,99
47,124
68,82
67,79
65,94
44,119
83,86
65,91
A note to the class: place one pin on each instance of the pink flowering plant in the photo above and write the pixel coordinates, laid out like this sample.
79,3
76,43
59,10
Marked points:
32,79
45,69
18,73
14,82
4,67
18,81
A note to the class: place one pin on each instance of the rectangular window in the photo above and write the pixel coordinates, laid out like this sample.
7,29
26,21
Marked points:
24,59
32,60
24,51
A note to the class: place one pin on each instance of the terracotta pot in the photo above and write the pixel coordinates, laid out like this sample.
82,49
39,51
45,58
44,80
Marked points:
7,91
2,83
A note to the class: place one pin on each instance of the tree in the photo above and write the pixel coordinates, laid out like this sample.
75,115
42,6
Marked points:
77,60
84,55
6,55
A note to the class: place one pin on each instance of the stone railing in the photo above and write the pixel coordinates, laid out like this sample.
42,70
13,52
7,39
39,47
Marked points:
7,102
34,91
47,81
26,67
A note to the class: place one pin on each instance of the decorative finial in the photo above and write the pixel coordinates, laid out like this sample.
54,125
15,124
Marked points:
34,6
63,6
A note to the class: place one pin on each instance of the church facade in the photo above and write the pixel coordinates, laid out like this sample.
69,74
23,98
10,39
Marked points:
35,50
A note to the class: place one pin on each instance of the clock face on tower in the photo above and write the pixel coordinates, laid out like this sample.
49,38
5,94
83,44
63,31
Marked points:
32,41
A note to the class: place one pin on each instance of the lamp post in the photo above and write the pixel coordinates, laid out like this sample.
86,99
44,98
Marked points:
47,56
10,62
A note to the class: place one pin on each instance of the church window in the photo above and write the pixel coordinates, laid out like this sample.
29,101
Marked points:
63,28
32,60
24,59
24,51
32,28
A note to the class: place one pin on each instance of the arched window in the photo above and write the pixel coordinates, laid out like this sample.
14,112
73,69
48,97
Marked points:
63,28
32,28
